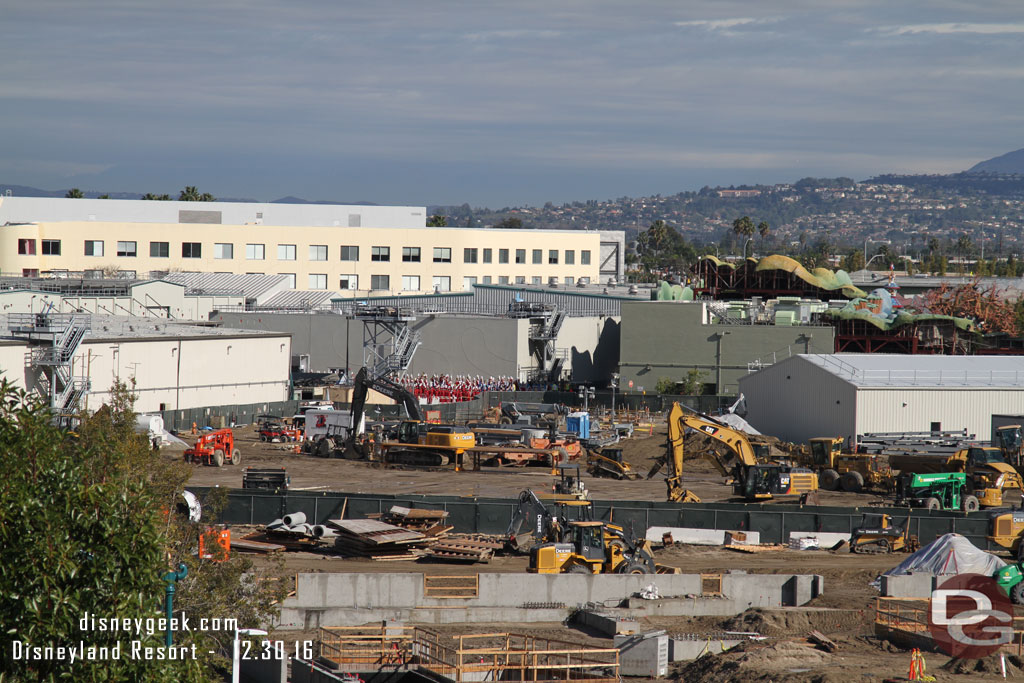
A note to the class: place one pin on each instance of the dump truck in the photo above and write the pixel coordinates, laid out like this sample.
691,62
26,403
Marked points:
1006,528
990,477
846,471
935,491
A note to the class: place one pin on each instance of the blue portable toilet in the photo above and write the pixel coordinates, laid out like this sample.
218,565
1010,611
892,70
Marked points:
578,424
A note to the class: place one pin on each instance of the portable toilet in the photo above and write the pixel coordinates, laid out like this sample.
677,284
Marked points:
578,424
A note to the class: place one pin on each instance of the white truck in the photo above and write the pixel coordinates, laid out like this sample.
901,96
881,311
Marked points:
322,422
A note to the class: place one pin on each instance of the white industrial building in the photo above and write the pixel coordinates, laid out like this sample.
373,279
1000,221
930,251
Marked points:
812,395
172,366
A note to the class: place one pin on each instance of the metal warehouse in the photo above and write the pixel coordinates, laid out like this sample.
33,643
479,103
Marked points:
812,395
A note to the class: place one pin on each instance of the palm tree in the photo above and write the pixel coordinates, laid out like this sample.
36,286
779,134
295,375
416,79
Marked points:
74,193
191,194
437,221
763,230
963,246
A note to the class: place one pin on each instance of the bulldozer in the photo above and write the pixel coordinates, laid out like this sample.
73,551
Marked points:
1006,529
591,547
851,472
877,534
215,448
608,462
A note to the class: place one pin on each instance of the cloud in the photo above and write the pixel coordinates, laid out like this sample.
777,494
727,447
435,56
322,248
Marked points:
950,28
723,24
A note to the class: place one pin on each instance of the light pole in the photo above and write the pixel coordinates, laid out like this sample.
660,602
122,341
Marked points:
615,384
235,656
864,278
749,239
586,393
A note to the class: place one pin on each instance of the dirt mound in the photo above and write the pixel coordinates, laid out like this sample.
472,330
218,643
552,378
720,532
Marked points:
787,661
770,622
987,665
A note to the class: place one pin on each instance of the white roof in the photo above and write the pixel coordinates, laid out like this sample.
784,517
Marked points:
300,298
902,370
229,283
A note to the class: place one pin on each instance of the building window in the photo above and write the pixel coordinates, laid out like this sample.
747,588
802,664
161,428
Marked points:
584,281
487,255
191,250
380,254
553,257
487,279
538,255
94,247
318,280
442,255
30,272
223,251
159,249
51,247
380,282
469,255
127,249
520,279
350,253
503,256
467,283
520,256
410,283
503,279
570,257
585,257
568,280
255,252
348,282
442,283
286,252
355,220
28,247
411,254
535,280
291,279
318,252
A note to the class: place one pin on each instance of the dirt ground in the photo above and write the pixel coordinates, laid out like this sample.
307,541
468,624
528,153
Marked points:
319,474
844,612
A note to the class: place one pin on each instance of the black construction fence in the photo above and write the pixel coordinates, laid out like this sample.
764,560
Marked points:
773,521
226,416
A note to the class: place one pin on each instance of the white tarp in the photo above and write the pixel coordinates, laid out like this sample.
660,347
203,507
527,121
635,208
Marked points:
947,555
737,422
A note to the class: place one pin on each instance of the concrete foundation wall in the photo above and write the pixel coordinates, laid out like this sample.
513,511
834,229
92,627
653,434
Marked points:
346,599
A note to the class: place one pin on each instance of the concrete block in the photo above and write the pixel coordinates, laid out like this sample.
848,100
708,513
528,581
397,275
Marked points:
681,650
644,655
695,536
826,539
608,624
913,585
264,671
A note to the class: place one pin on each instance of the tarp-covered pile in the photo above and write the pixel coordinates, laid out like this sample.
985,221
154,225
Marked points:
948,555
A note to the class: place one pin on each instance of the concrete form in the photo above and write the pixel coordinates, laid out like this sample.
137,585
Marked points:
349,598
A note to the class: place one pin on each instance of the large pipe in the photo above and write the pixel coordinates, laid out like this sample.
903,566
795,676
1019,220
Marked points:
294,518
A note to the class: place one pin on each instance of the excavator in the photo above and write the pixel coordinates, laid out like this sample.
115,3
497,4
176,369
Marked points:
753,480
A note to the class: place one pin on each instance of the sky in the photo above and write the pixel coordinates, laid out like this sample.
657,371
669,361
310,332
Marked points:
515,103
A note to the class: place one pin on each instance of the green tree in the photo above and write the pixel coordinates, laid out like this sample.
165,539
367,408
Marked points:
511,222
157,197
763,230
74,193
437,221
693,383
853,261
191,194
666,385
104,196
86,528
743,227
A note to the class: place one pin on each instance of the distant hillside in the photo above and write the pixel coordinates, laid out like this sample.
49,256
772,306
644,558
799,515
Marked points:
299,200
1012,162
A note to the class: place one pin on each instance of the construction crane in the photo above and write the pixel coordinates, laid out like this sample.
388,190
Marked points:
751,479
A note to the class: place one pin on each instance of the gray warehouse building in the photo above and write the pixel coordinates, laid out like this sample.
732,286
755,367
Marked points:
812,395
669,338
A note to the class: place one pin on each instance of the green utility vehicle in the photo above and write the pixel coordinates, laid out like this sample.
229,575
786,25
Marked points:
935,491
1011,579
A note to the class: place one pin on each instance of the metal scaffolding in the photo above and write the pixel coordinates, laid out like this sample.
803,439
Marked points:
55,338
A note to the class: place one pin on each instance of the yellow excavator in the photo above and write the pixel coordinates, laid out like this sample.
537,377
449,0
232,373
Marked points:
753,480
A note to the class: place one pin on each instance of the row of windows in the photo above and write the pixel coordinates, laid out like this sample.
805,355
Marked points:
440,283
317,252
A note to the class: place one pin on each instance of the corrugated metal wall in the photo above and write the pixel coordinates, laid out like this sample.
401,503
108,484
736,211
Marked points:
494,300
796,400
914,410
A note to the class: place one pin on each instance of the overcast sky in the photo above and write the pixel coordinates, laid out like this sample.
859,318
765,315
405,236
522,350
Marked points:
500,104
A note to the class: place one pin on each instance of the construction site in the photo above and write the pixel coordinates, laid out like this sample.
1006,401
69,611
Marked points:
536,541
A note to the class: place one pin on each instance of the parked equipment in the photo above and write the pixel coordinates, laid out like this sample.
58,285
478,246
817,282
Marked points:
935,491
570,483
876,534
274,431
532,523
1011,579
846,471
270,478
990,476
215,448
751,479
595,548
1006,530
608,462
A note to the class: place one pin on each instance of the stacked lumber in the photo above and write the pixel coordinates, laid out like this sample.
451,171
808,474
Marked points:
377,540
427,522
463,548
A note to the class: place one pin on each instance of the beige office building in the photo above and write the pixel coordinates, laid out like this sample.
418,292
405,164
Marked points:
356,250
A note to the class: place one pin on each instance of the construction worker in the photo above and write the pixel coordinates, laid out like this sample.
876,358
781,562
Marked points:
194,430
